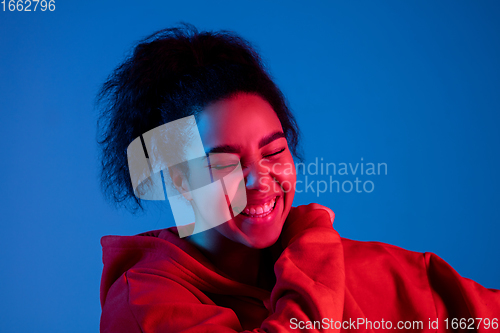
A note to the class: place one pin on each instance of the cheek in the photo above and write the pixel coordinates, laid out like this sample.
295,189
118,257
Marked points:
212,206
217,201
285,174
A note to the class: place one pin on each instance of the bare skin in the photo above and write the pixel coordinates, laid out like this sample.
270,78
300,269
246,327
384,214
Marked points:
242,248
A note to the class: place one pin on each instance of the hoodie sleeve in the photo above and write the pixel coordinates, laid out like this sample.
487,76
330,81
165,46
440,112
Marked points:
309,287
310,273
460,299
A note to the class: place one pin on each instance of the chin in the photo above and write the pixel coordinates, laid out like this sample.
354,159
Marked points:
262,243
263,231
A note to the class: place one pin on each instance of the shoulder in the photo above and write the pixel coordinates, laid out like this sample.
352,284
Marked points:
383,264
157,250
418,282
367,251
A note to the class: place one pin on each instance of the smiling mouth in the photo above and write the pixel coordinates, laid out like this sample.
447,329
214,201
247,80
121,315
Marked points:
260,210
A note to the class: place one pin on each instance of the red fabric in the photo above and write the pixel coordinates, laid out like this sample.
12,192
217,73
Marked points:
157,282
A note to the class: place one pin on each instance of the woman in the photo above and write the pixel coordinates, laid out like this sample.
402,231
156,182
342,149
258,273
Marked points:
264,265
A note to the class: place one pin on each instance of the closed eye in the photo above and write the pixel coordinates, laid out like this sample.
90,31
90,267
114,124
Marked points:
222,167
276,153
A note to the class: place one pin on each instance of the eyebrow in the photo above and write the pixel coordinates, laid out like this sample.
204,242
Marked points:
236,149
270,138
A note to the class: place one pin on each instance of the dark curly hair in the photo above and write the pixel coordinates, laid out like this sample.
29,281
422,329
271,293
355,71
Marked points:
172,74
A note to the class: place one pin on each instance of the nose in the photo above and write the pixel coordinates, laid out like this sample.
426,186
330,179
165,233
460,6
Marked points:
257,177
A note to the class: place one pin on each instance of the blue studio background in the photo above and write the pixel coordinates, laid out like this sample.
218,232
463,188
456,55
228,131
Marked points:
412,84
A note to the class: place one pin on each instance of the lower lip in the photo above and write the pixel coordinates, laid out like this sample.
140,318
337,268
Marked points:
265,219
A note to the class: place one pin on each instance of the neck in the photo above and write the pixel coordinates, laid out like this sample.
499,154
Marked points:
235,260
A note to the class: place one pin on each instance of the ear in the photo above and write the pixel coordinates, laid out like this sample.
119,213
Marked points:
180,182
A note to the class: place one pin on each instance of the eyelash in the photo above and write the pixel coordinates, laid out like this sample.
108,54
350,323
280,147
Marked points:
276,153
221,167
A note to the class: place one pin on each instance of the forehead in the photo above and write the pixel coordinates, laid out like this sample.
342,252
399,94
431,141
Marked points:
240,120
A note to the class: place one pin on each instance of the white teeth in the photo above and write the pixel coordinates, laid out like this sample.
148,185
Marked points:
259,210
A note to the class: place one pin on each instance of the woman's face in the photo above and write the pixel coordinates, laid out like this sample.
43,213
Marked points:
246,128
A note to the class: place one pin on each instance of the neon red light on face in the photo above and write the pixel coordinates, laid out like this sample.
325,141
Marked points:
246,127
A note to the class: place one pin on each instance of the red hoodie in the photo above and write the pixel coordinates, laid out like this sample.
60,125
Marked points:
158,282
